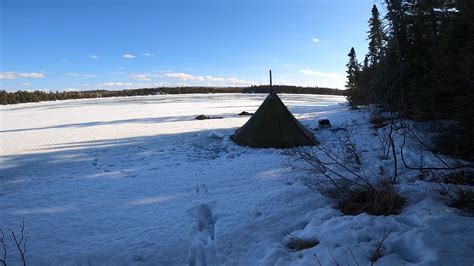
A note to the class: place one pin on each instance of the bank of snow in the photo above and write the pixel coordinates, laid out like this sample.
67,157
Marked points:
138,181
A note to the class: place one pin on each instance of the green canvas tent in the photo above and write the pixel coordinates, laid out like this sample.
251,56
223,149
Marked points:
273,126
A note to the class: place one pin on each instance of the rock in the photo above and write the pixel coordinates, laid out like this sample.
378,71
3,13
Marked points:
201,117
245,113
324,123
204,117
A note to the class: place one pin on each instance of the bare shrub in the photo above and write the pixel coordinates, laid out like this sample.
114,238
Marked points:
407,131
331,168
377,120
452,142
464,200
458,187
342,175
384,141
463,177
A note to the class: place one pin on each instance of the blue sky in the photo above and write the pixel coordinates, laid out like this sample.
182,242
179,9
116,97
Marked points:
82,45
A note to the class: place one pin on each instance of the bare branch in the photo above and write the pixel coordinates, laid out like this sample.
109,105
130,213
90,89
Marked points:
379,246
21,243
2,242
348,250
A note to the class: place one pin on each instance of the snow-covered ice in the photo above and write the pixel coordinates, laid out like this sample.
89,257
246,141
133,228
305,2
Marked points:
138,180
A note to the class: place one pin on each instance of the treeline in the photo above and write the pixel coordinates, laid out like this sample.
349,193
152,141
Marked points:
420,64
38,96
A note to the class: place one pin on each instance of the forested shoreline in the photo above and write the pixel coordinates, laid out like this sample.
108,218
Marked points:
38,96
420,65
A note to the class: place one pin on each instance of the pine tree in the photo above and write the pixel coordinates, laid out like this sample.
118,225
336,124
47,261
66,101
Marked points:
353,70
376,37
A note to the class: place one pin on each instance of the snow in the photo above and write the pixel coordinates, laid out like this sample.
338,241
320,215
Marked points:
138,180
215,135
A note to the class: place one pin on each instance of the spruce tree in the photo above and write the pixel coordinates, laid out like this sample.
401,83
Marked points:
353,70
376,37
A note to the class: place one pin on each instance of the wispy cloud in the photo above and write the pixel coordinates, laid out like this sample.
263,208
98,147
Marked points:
316,40
17,75
25,84
129,56
93,56
147,54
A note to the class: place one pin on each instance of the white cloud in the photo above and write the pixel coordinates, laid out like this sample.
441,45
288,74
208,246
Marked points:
130,85
179,78
211,78
145,76
323,79
129,56
236,81
25,84
309,72
316,40
184,76
93,56
16,75
81,75
147,54
141,76
208,80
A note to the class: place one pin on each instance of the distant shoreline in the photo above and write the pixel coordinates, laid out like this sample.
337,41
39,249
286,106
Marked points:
17,97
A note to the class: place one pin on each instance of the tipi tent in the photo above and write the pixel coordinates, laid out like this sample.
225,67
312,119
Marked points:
273,126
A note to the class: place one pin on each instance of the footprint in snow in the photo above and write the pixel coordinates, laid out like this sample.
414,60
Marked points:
201,188
203,251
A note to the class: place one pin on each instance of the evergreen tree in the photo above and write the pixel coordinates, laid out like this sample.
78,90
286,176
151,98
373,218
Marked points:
376,37
353,70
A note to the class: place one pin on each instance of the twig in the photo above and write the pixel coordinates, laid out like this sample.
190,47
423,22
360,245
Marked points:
379,246
315,258
21,244
448,167
2,241
348,250
333,259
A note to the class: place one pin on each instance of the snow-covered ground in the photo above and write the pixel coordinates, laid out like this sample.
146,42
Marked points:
137,180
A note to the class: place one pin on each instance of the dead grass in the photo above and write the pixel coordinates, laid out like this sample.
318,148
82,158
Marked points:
382,200
464,200
378,121
463,177
458,186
